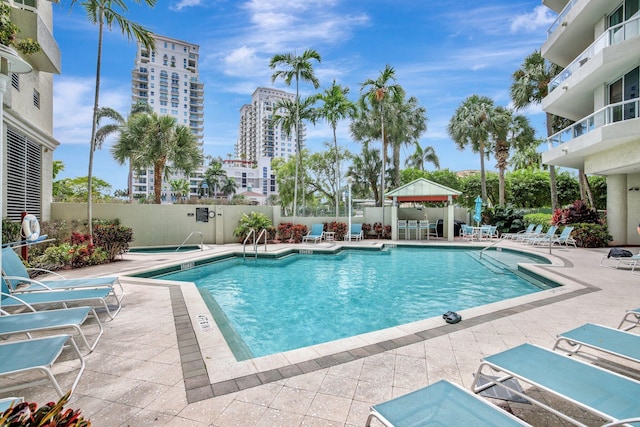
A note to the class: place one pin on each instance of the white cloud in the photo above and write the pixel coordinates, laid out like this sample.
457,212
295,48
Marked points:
239,60
530,22
185,3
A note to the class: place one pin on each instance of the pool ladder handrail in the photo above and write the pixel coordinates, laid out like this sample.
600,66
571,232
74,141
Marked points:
490,246
252,232
189,236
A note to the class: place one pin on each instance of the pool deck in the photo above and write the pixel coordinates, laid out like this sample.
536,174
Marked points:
163,361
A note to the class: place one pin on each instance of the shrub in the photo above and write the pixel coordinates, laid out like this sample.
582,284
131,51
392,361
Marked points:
366,228
113,239
254,221
578,212
55,257
591,235
538,218
340,228
285,231
507,219
10,231
50,415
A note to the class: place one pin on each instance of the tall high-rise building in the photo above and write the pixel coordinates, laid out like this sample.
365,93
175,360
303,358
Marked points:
258,137
597,42
168,80
27,86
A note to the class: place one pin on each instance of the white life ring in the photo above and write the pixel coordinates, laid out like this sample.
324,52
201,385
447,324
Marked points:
30,227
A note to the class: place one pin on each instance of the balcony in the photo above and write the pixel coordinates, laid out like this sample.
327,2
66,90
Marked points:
572,34
614,35
612,126
32,26
573,91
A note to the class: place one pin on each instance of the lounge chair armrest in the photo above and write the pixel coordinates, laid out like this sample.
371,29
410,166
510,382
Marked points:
622,422
29,281
13,297
44,270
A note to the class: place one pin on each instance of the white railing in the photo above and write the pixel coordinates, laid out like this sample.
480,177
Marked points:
561,17
618,112
614,35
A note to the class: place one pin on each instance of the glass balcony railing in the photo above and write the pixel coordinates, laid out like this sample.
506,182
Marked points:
614,35
613,113
561,17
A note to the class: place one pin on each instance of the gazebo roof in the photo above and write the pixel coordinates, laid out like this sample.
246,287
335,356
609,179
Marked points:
423,190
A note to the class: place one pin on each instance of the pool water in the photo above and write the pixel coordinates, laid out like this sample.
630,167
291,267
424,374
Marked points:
267,306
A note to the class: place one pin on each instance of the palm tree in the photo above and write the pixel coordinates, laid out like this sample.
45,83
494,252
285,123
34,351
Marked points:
228,186
529,85
335,107
179,187
106,13
214,175
296,67
365,170
115,127
422,156
470,125
527,158
160,140
374,94
508,131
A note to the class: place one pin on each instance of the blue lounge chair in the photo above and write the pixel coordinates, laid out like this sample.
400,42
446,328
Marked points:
38,321
38,354
535,233
544,239
630,316
61,297
356,232
315,234
18,279
608,340
599,391
513,236
441,403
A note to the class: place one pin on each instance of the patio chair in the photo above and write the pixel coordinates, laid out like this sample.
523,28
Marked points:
356,232
315,234
621,257
60,297
535,233
545,239
467,232
412,225
18,280
39,355
565,238
608,340
42,321
441,403
630,316
513,236
604,393
402,226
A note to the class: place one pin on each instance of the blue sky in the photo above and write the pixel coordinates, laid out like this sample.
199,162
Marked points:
442,51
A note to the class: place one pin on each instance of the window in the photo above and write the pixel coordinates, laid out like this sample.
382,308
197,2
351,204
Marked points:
625,89
15,81
24,176
36,99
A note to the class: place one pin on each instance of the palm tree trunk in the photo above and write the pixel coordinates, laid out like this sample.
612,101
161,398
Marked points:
501,186
94,126
130,182
585,189
335,144
483,180
396,165
157,180
552,170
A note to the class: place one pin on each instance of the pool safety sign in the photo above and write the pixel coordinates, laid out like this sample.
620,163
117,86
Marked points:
203,321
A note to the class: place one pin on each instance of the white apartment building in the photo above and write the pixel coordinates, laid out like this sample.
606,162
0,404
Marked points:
598,44
168,79
254,180
26,83
257,137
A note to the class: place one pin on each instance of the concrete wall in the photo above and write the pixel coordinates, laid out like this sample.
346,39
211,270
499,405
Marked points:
169,225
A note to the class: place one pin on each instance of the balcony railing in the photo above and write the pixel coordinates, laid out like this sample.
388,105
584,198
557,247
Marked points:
561,17
613,113
614,35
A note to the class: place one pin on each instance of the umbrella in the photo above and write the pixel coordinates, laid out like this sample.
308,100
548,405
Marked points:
477,215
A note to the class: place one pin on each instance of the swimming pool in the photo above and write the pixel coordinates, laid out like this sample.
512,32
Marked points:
268,306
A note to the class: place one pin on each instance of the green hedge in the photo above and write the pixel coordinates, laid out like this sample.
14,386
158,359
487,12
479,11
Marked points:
538,218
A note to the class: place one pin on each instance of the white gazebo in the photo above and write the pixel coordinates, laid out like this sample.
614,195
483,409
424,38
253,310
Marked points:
423,190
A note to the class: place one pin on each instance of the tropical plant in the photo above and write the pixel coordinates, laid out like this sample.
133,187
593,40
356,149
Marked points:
421,156
471,125
527,158
255,221
591,235
179,187
160,141
471,186
107,13
335,106
509,132
120,152
9,33
296,68
228,187
113,238
53,414
322,170
11,231
365,170
528,188
374,97
538,219
529,85
578,212
214,175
